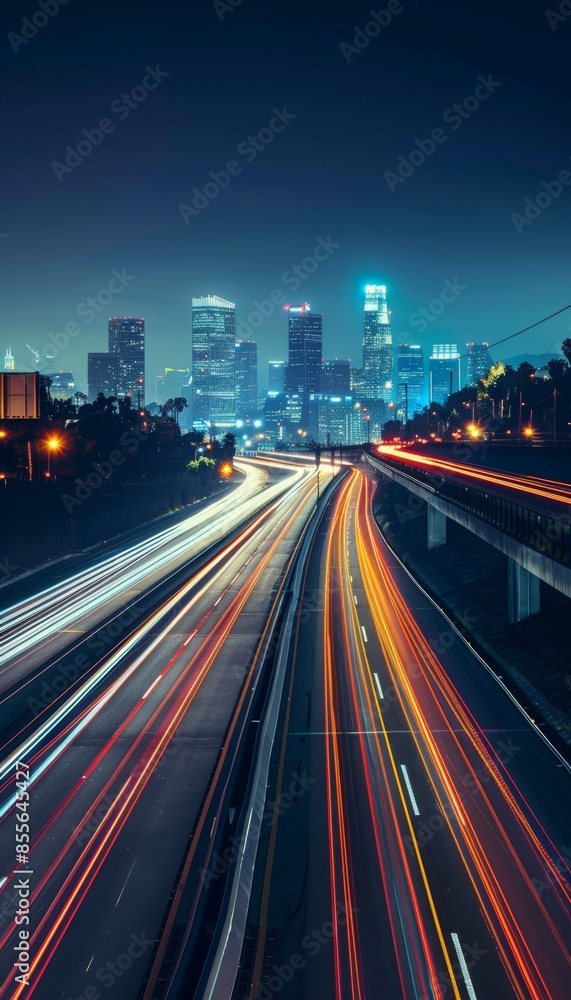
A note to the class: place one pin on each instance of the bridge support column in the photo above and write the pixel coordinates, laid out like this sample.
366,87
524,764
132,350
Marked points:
523,592
436,527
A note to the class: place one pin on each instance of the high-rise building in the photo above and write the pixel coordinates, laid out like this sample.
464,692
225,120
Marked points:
276,370
62,385
444,372
378,358
478,364
9,363
127,341
246,378
213,362
102,374
336,377
172,383
357,382
302,376
410,379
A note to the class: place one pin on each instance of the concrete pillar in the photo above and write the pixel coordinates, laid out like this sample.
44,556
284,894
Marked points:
523,592
436,527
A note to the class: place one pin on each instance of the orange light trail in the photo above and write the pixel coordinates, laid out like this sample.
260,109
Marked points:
506,903
532,486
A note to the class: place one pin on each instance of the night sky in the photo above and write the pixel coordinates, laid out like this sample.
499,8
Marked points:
322,176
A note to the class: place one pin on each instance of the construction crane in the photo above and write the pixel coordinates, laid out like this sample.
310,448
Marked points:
37,355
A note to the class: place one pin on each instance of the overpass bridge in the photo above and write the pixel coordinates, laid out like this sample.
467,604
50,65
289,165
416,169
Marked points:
526,518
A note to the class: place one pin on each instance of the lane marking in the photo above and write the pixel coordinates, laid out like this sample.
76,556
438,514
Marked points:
364,633
464,967
125,883
415,808
355,598
3,881
379,688
154,684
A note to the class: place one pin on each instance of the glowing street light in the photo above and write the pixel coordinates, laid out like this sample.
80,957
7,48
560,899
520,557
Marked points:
53,445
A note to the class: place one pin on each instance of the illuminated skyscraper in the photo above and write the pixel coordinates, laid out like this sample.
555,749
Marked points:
378,358
9,362
246,378
302,375
127,341
444,372
410,379
102,374
213,362
336,377
479,363
276,374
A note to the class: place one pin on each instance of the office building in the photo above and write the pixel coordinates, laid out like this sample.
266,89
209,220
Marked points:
378,359
213,363
62,385
102,374
9,363
276,375
357,383
172,383
479,362
410,380
302,376
127,342
246,379
444,372
336,377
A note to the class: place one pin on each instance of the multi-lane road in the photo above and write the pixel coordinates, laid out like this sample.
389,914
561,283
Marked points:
114,765
416,833
422,848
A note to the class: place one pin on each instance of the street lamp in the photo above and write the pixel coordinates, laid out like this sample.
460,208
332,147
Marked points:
53,445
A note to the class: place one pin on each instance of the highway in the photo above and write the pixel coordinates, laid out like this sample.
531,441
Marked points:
119,765
417,842
535,491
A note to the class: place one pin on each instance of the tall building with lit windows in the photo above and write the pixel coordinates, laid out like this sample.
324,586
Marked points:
378,357
303,372
411,395
444,372
9,362
213,363
479,362
246,378
127,342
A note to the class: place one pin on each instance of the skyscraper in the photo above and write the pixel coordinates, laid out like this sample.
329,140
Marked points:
410,379
479,362
246,378
102,374
213,362
336,377
378,359
9,362
444,372
276,374
305,351
127,342
172,383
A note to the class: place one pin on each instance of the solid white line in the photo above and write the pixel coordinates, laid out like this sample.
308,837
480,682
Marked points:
464,967
154,684
378,683
415,808
2,881
364,633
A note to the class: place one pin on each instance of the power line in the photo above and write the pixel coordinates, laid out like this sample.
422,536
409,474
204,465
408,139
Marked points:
519,332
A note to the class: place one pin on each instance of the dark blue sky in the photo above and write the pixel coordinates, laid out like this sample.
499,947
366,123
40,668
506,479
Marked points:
322,176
